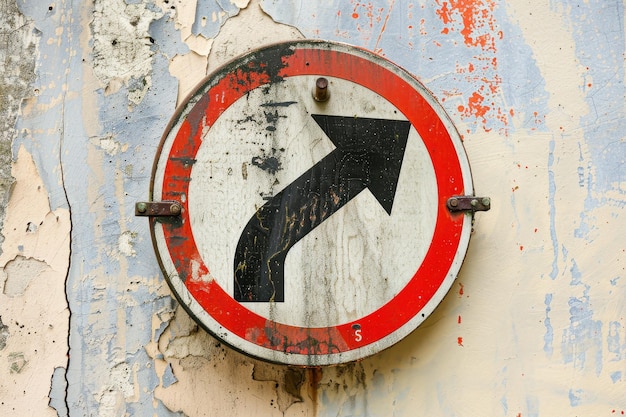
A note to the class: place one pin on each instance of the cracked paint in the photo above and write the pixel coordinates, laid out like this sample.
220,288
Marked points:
33,308
190,362
18,38
122,51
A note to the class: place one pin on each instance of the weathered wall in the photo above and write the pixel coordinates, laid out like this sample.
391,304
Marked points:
534,325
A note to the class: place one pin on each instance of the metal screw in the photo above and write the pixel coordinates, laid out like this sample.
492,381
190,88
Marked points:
142,207
454,202
474,202
486,201
321,93
175,209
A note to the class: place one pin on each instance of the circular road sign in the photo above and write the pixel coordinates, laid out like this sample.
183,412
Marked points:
312,179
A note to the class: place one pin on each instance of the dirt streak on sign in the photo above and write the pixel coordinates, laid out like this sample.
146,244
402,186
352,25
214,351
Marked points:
312,232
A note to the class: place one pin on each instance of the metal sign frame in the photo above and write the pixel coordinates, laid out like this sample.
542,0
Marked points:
188,274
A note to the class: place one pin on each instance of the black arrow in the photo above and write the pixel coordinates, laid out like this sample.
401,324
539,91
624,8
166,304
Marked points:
368,154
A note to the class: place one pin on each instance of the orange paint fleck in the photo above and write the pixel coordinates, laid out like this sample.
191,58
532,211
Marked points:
445,13
459,341
459,320
460,289
475,105
355,15
521,247
475,21
423,27
474,15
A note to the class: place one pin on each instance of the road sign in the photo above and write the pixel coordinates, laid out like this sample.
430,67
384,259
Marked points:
310,185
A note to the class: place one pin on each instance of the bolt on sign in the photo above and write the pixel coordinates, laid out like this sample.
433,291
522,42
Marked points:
311,203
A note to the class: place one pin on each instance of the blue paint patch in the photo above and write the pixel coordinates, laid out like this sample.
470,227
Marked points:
50,124
598,33
551,203
614,341
532,407
582,231
141,129
575,397
576,274
58,387
168,378
170,42
481,85
60,151
582,340
616,376
548,337
210,15
505,405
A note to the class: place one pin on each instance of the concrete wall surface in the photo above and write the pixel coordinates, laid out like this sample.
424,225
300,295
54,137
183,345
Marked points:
535,323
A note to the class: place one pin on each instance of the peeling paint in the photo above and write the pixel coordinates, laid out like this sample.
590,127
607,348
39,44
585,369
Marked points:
122,46
210,15
34,262
18,38
198,362
58,388
20,272
537,92
4,334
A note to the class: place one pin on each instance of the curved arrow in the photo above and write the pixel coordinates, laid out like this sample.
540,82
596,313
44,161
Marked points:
368,154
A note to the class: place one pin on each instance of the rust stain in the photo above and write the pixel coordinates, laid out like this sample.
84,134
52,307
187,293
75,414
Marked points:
314,375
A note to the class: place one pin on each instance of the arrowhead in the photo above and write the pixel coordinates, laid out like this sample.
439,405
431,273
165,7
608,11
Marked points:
382,142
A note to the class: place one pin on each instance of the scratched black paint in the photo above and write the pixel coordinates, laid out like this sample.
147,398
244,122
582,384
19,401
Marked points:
265,61
368,154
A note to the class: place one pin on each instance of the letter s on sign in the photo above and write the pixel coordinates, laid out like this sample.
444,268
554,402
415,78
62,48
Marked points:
357,335
357,332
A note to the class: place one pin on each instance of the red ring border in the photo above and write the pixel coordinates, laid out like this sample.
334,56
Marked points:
260,68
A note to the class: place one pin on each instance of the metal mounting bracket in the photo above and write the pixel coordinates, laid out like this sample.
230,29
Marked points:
468,203
158,208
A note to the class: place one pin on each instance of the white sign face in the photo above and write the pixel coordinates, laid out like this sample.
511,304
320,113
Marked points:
312,232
